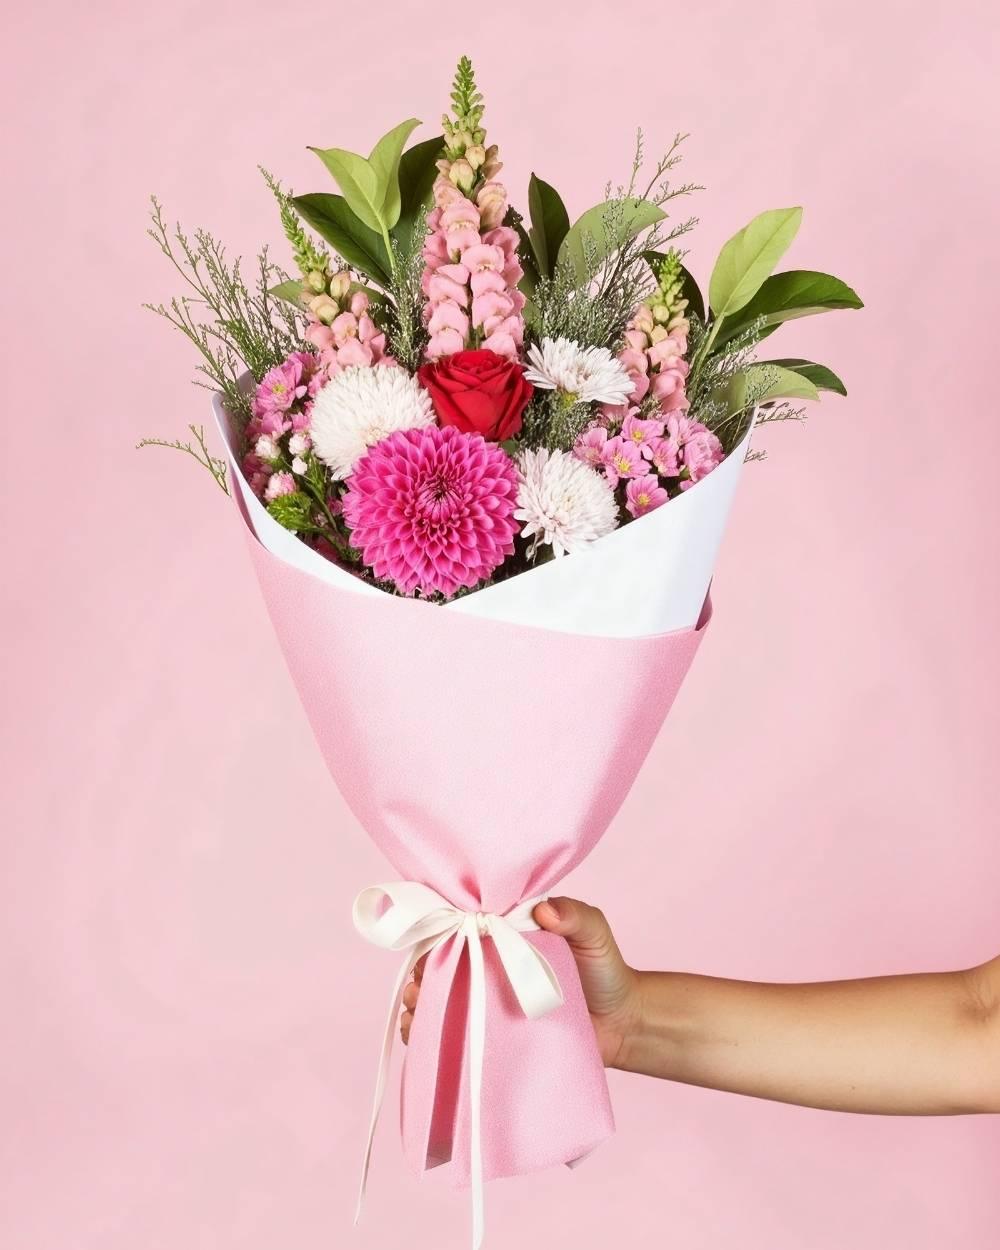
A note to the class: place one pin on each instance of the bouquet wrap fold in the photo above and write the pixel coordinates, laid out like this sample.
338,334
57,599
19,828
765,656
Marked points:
485,758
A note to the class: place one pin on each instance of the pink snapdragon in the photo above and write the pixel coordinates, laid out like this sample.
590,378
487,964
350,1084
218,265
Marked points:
344,334
470,277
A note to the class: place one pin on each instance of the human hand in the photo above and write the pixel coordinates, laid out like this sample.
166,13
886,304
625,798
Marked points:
610,986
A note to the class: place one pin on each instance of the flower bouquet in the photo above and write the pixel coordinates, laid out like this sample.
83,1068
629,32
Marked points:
483,464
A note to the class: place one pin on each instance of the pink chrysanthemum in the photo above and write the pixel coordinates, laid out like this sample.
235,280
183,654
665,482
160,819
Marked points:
431,509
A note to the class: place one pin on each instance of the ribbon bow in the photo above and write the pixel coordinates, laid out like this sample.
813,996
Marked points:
417,920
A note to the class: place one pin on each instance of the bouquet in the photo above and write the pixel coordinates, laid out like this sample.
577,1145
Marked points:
483,462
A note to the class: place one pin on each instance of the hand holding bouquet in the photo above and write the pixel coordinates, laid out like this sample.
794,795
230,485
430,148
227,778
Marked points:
537,426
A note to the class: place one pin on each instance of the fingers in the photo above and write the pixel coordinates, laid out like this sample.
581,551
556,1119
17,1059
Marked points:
410,996
583,926
405,1024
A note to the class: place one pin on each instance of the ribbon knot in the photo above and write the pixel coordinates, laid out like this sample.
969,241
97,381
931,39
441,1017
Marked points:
410,917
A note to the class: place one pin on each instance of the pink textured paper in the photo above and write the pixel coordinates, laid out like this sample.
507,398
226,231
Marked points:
485,760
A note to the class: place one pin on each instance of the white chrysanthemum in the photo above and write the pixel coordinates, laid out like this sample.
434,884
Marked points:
361,406
588,374
563,501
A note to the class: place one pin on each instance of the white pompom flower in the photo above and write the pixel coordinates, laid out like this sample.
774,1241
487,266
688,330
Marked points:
562,501
583,374
359,407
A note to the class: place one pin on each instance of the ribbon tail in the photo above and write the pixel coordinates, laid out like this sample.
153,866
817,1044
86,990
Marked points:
477,1041
382,1075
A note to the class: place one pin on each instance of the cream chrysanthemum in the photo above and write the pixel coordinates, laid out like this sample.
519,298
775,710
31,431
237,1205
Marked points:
585,374
359,407
562,501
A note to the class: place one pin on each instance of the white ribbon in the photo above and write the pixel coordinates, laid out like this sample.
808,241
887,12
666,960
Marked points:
419,919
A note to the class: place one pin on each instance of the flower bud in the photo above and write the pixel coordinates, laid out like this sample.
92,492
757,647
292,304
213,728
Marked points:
323,309
476,155
316,282
462,175
340,284
299,466
661,314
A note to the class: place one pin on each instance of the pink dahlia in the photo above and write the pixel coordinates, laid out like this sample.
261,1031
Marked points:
431,509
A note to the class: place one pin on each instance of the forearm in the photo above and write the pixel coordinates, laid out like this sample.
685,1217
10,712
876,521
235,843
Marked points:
917,1045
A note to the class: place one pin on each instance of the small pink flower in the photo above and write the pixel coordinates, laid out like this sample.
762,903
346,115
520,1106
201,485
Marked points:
622,459
643,494
641,432
256,472
702,453
279,484
460,223
664,456
589,447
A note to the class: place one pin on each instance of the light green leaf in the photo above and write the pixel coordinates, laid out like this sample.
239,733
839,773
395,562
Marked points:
549,223
290,292
820,376
384,160
779,383
690,289
628,218
417,171
785,296
749,257
358,181
291,510
331,217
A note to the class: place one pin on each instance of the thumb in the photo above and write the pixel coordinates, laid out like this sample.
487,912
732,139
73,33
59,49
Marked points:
583,926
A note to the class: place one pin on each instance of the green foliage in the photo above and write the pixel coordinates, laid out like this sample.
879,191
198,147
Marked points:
417,171
689,286
549,224
333,219
820,376
214,464
371,186
467,103
308,257
290,291
235,328
784,296
293,511
749,257
603,231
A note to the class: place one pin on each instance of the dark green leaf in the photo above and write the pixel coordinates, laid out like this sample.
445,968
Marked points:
690,289
417,171
820,376
331,217
549,223
784,296
526,256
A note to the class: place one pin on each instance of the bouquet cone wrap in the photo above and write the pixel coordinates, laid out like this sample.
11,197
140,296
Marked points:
485,746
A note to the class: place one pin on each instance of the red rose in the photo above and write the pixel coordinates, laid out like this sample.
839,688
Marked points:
478,393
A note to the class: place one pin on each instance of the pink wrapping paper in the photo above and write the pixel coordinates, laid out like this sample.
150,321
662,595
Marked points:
485,760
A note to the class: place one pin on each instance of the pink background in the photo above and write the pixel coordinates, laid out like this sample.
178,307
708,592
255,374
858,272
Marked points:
190,1022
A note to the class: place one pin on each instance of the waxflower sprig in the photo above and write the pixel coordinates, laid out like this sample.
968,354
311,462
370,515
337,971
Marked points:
452,393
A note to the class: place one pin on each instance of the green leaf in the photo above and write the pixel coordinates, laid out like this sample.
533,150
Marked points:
331,217
785,296
290,292
549,223
749,257
631,218
526,256
358,181
417,171
384,160
291,510
780,383
689,290
820,376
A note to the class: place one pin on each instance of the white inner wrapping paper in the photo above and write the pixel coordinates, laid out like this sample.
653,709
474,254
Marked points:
649,577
